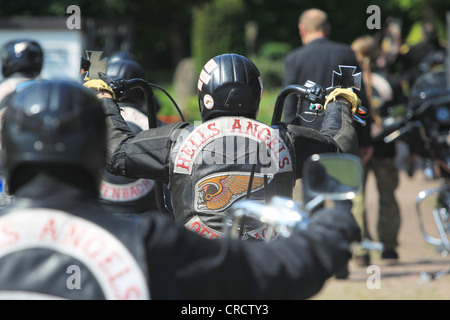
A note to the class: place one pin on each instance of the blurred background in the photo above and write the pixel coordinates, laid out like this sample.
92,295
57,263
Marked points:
173,39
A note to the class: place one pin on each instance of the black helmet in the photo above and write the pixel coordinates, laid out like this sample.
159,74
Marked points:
229,84
120,55
22,55
53,122
125,69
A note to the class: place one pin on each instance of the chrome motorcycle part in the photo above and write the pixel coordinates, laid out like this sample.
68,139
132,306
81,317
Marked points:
326,177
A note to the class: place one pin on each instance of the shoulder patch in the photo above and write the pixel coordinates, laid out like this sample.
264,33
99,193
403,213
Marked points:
138,188
192,147
114,267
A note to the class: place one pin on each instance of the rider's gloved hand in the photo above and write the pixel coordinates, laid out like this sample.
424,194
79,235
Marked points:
346,94
100,86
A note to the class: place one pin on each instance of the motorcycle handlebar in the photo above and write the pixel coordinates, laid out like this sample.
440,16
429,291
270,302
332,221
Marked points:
150,98
313,94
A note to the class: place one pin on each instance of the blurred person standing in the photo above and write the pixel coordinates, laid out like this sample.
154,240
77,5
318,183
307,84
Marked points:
316,60
384,91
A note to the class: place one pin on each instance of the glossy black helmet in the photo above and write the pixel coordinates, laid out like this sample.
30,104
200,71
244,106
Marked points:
53,122
229,85
120,55
22,55
124,68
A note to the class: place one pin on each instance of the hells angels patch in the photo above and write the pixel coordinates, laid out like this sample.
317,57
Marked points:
218,191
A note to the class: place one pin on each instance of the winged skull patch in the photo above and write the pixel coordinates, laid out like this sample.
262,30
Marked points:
217,192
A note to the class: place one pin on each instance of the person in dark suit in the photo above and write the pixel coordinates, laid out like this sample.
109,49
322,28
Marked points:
316,60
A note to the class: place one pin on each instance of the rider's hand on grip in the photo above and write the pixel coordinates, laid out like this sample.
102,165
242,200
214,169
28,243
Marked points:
99,85
347,94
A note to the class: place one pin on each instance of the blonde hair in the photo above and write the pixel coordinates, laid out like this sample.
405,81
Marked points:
366,51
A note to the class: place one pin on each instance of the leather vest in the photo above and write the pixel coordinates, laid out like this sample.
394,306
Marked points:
223,160
71,250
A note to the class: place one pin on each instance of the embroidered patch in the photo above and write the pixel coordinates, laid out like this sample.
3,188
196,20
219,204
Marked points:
111,263
208,101
218,191
197,225
191,149
138,188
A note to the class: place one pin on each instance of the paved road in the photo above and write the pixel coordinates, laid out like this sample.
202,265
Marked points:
402,281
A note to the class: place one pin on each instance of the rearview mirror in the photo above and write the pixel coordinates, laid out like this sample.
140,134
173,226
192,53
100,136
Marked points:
333,176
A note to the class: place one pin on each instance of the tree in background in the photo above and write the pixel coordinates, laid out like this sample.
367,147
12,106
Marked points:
217,27
167,31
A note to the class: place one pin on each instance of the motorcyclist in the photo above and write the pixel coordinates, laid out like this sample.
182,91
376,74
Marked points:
22,60
57,242
230,155
119,194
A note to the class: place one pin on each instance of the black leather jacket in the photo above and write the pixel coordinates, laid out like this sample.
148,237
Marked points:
119,194
209,167
56,242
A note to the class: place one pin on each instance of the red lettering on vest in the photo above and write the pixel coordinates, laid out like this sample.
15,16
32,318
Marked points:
197,227
284,162
252,128
212,127
49,230
264,137
236,126
7,229
183,163
73,236
188,151
93,247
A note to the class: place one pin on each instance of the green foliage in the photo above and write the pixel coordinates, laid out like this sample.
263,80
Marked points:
166,31
415,34
192,114
274,50
270,62
218,27
267,104
272,71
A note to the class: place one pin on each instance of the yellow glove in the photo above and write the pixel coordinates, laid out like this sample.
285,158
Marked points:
347,94
99,85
